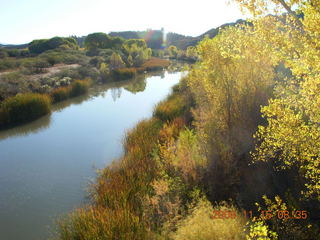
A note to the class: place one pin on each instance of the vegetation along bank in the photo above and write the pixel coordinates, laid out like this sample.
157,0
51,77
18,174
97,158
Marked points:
56,69
232,153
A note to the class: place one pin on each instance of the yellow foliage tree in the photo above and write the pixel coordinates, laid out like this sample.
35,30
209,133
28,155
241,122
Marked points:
292,134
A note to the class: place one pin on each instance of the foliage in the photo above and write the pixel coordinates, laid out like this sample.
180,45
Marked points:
191,53
60,94
97,40
290,138
103,41
259,230
99,224
79,87
155,64
116,61
137,50
229,84
276,221
171,108
124,73
129,191
24,107
104,71
42,45
200,225
172,51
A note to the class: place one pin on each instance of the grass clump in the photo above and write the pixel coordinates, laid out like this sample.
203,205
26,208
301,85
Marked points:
79,87
60,94
100,224
24,107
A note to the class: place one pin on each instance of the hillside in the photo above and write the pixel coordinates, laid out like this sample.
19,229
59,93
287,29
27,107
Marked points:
182,42
153,38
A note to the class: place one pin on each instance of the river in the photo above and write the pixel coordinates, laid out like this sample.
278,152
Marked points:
47,165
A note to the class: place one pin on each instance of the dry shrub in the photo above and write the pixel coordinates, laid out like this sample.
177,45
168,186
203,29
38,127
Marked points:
155,64
199,224
124,73
171,129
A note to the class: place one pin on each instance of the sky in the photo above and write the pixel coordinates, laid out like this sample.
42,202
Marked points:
22,21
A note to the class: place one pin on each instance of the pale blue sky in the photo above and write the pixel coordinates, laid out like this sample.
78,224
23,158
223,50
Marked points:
21,21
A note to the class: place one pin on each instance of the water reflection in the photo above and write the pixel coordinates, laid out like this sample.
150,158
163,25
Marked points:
24,130
45,174
133,85
138,84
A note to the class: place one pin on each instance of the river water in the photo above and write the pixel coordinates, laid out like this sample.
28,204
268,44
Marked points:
47,165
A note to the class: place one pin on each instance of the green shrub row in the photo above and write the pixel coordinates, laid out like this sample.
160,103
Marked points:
30,106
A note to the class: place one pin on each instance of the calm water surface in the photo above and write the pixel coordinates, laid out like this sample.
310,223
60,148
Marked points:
46,165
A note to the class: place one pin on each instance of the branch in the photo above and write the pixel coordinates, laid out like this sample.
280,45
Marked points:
283,3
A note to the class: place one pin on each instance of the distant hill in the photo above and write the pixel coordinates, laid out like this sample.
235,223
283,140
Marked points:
182,42
154,38
11,46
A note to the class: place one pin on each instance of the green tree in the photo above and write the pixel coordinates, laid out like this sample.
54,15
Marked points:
137,51
97,40
172,51
116,61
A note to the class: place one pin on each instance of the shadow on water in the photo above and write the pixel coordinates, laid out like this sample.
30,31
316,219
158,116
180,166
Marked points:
138,84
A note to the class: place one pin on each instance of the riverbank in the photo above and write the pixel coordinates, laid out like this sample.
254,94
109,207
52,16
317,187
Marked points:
121,189
28,107
154,191
46,164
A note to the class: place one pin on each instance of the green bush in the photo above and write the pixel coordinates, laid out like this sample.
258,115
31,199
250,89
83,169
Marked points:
42,45
7,63
79,87
24,107
124,73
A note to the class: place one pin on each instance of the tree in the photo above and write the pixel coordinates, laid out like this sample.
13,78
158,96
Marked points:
97,40
116,61
172,51
291,136
192,53
229,84
42,45
137,51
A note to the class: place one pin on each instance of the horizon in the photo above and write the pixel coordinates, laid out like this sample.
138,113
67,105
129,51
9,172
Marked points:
77,18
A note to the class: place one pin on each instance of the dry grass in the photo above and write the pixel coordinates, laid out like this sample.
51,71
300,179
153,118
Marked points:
155,64
170,108
24,107
199,225
77,88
